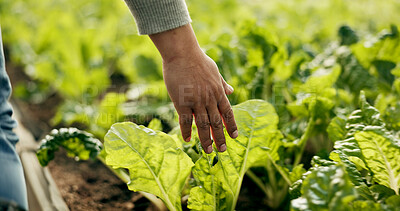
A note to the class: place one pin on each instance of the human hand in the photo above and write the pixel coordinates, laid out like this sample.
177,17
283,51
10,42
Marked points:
196,88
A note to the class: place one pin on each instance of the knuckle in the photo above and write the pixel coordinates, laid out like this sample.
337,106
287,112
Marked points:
228,113
203,125
216,124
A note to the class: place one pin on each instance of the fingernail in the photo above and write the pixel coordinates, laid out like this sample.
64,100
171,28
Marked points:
187,139
222,148
209,149
230,88
235,134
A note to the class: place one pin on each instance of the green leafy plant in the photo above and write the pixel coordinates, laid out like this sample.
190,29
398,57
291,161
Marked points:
79,144
158,166
156,161
365,169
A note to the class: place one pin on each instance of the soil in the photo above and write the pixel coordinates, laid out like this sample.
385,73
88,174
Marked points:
89,185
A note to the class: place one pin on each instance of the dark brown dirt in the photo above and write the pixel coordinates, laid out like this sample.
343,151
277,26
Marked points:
89,185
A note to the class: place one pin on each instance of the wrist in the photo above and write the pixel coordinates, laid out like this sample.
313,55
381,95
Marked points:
178,43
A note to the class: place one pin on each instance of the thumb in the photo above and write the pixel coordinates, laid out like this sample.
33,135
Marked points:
228,88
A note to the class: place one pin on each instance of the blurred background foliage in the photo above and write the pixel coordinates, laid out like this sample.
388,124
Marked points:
293,53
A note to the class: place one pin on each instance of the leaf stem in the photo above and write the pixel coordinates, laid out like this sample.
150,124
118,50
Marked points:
122,175
283,174
303,140
212,183
257,180
287,96
243,169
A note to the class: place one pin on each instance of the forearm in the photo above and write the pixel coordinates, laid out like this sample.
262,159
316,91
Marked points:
192,79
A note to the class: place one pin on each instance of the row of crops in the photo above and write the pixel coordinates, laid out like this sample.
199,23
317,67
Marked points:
324,134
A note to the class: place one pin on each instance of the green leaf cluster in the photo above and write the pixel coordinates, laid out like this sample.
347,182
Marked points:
365,171
158,165
77,143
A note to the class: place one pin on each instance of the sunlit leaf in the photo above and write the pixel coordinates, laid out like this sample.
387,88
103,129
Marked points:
381,157
258,141
155,163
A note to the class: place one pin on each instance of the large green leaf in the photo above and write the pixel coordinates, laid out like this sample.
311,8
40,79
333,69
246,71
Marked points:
257,142
326,188
155,163
381,156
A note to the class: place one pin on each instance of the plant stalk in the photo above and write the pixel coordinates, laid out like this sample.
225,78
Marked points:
122,175
303,140
257,180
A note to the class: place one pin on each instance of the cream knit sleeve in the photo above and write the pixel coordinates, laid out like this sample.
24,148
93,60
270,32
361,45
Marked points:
154,16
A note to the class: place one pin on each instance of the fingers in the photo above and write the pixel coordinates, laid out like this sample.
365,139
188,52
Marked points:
185,122
217,128
203,128
228,118
211,114
228,88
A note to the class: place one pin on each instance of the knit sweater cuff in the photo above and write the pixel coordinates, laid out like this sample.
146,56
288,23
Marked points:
154,16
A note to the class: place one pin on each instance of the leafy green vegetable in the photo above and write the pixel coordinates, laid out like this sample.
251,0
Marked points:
326,188
367,154
258,141
158,166
155,163
77,143
209,193
381,157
